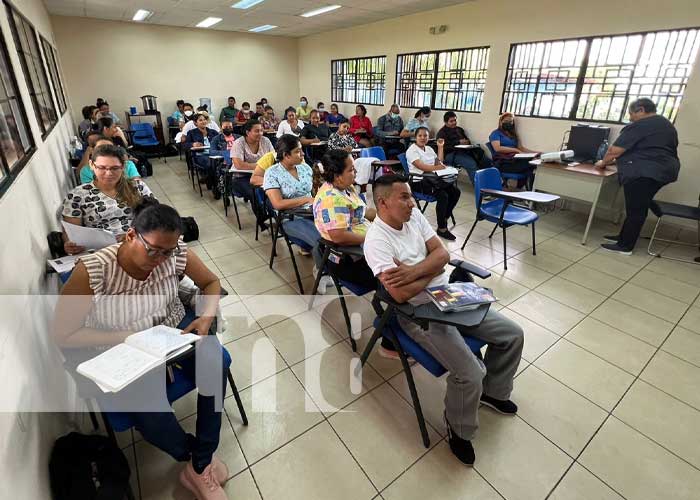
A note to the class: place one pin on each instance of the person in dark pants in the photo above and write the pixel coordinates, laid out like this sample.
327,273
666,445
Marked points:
646,155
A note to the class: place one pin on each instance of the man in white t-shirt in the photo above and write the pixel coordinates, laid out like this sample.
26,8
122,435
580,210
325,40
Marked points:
406,256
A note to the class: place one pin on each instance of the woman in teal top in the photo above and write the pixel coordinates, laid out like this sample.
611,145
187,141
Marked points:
130,170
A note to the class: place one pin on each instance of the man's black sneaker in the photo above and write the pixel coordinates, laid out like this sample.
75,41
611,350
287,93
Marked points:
506,407
615,248
612,238
447,235
461,448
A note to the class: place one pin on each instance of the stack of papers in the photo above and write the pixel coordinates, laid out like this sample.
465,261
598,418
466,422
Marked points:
89,237
447,171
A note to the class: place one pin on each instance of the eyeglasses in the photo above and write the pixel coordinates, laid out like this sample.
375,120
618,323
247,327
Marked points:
157,252
103,168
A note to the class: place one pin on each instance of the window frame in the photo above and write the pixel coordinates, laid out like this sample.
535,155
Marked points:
11,10
433,91
51,59
357,60
582,74
10,172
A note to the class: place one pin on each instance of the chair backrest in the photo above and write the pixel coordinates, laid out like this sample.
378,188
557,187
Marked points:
374,151
404,162
143,131
491,150
486,178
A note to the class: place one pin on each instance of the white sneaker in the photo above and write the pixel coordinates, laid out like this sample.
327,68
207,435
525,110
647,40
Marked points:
323,285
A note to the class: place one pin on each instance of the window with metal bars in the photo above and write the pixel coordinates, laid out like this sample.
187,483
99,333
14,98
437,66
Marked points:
16,142
52,63
595,78
444,80
27,44
360,80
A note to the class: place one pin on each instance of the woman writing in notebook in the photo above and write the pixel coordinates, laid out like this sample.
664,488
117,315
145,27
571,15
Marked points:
421,159
132,286
108,201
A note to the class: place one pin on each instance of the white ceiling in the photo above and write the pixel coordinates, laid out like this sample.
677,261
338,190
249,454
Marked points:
282,13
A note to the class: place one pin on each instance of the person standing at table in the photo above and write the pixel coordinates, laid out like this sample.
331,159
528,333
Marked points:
335,118
303,111
361,126
646,155
456,136
229,111
389,128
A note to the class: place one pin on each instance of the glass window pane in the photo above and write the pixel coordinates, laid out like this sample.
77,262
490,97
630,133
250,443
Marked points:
360,80
10,144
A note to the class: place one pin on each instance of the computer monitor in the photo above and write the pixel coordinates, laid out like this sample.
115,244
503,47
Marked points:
585,140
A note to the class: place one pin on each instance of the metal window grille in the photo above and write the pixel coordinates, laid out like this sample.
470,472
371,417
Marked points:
359,80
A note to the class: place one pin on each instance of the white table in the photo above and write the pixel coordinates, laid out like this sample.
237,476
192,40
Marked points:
582,182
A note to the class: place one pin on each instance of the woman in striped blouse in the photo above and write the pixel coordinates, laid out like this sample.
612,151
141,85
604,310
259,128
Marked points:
132,286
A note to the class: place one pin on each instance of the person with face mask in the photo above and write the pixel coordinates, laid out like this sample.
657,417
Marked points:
504,143
420,120
244,114
224,141
389,127
303,111
323,114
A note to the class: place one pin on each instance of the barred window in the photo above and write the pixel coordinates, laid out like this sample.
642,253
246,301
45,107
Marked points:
27,45
52,63
16,142
360,80
448,79
595,78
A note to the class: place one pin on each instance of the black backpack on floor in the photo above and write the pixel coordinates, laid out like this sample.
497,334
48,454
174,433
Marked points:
191,232
86,467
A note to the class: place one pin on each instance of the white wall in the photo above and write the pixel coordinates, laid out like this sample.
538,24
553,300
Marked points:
27,214
498,24
122,61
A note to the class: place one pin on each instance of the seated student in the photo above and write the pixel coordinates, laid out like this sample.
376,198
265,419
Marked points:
108,201
230,111
105,112
247,150
88,175
389,128
291,125
361,126
265,162
287,185
192,124
132,286
201,136
109,128
403,252
504,143
341,216
321,108
178,115
259,110
342,139
315,131
334,118
303,111
422,158
263,100
91,139
269,121
420,119
244,114
187,113
224,141
85,126
453,136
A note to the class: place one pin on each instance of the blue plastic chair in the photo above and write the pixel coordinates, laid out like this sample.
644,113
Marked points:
425,198
373,152
527,177
387,325
144,135
500,211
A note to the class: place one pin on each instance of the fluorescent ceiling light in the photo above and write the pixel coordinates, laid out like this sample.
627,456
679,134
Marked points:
208,22
246,4
322,10
142,15
264,27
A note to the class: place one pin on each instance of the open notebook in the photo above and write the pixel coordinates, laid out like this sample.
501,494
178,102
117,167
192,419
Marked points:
141,352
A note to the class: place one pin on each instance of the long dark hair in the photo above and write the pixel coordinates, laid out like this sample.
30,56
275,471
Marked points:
333,164
285,145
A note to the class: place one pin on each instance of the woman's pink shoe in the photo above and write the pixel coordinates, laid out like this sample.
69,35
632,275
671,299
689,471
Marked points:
204,486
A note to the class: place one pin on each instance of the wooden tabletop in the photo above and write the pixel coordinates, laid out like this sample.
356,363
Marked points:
386,162
581,168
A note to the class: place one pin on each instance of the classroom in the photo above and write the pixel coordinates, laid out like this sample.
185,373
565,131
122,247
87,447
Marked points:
350,249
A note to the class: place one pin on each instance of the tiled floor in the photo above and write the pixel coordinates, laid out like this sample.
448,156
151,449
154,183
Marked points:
608,388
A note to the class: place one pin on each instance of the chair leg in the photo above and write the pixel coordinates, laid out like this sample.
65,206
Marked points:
454,223
319,275
534,252
375,336
273,251
234,390
235,209
493,230
93,417
470,233
505,255
344,307
296,269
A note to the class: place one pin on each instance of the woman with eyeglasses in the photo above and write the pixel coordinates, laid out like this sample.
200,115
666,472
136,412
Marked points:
108,201
132,286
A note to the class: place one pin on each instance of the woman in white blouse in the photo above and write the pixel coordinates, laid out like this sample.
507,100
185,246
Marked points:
421,158
291,125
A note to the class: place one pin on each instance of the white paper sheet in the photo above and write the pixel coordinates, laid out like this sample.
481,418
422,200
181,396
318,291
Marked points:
89,237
